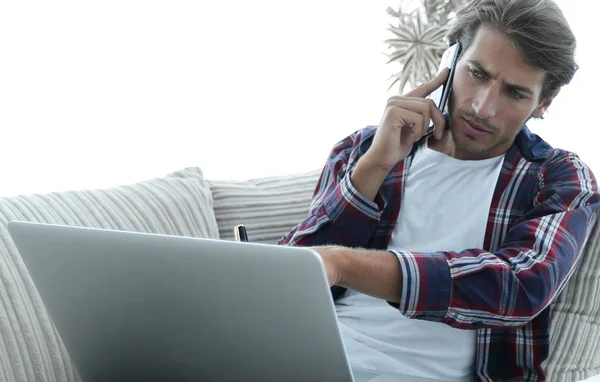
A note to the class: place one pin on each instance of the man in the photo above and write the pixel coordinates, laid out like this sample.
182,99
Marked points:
445,252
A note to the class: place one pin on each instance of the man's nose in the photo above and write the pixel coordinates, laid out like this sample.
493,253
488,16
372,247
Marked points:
485,102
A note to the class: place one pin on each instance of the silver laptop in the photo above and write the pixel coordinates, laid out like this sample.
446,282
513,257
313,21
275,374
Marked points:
132,306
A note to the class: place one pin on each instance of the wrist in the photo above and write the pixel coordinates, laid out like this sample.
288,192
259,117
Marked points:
335,261
368,177
370,163
341,261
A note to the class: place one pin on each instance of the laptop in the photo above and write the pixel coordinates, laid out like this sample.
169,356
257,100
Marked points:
135,306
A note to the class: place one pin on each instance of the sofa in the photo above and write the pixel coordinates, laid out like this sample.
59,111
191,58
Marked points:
184,203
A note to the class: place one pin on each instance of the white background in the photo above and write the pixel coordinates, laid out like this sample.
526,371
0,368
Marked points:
97,94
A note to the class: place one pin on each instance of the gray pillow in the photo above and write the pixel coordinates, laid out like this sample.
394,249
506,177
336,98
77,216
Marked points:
30,349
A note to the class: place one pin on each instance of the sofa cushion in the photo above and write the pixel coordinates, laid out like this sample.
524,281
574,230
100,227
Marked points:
30,349
575,330
268,207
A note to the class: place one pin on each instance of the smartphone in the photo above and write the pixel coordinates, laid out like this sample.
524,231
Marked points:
440,95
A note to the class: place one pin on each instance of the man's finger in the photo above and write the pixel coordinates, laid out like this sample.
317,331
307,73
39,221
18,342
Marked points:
428,87
411,123
419,106
438,119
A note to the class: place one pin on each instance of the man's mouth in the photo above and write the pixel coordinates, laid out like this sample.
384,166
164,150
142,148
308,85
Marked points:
475,129
476,125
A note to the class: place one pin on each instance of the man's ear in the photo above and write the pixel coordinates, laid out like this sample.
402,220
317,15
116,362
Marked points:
544,105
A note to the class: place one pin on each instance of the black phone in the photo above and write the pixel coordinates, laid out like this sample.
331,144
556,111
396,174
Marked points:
440,95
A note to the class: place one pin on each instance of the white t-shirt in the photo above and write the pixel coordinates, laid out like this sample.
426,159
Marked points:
445,206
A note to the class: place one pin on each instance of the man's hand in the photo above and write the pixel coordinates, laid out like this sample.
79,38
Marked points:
405,120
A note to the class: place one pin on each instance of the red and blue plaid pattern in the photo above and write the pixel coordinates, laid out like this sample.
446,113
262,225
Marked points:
544,207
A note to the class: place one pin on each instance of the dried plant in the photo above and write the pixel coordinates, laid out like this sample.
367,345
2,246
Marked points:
418,42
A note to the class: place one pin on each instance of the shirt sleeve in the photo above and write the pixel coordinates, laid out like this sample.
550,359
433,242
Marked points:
476,289
339,214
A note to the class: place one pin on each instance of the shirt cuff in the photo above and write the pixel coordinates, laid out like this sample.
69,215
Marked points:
426,285
354,215
370,208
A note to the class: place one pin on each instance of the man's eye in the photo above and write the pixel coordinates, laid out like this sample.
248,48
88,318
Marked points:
516,94
476,73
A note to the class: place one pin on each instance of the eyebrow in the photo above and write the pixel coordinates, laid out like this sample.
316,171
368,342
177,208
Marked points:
522,89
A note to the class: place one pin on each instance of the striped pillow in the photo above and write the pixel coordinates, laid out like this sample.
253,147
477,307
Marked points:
30,349
268,207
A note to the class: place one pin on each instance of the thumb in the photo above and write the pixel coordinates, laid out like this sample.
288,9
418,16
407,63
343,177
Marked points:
429,87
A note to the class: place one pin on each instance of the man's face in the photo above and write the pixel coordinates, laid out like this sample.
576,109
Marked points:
495,93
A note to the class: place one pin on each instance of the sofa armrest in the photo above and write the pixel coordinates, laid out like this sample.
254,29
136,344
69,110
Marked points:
575,329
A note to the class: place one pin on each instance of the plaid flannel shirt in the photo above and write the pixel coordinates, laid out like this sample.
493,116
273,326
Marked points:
543,209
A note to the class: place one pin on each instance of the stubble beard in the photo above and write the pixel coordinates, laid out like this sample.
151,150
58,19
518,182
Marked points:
463,143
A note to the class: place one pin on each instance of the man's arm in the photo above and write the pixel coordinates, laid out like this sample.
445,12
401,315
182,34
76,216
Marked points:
339,214
347,205
372,272
474,288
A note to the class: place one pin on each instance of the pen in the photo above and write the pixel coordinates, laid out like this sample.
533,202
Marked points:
240,233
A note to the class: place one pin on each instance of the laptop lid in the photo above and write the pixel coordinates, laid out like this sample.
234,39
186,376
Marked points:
135,306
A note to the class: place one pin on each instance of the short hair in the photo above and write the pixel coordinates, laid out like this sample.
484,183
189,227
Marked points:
537,28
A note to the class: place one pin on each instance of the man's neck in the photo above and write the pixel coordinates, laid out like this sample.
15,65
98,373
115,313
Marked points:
447,146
